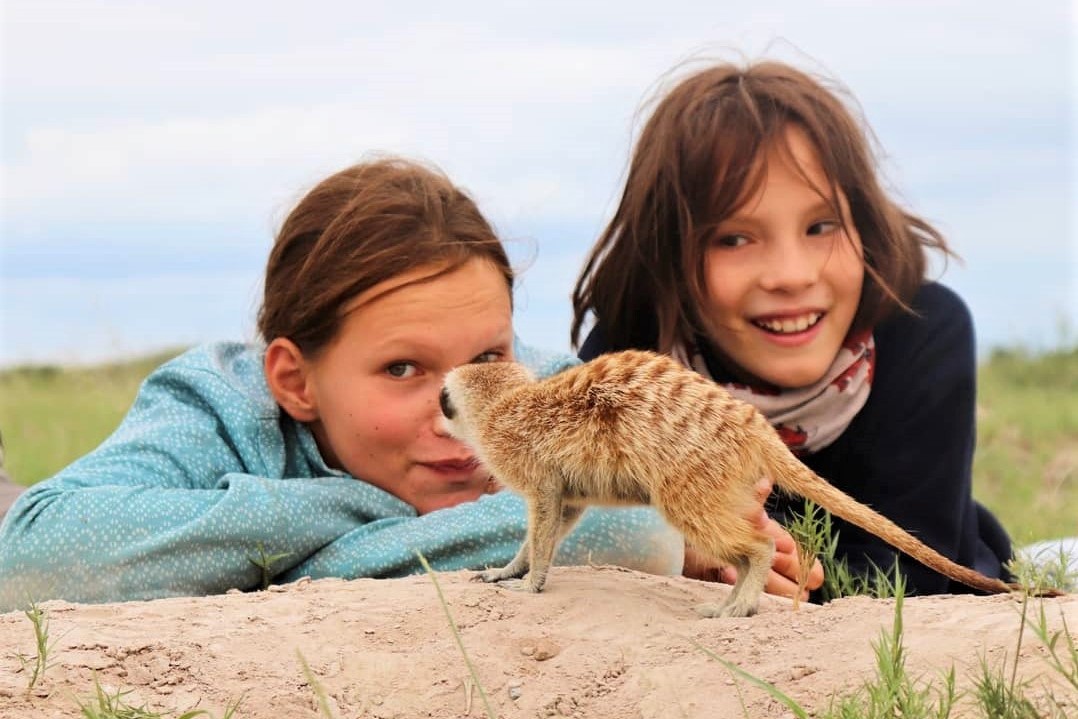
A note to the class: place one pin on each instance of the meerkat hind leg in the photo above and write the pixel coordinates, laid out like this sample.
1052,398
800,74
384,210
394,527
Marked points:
744,598
548,523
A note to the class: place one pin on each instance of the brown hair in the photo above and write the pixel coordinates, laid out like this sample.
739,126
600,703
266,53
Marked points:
357,228
697,160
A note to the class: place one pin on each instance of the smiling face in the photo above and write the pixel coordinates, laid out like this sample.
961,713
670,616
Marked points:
783,274
371,396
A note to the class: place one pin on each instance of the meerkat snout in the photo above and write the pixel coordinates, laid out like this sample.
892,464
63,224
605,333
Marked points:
447,406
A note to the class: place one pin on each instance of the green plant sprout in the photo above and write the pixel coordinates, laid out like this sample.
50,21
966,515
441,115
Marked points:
265,563
113,706
36,665
491,714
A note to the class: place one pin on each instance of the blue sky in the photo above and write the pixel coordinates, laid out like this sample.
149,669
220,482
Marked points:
150,149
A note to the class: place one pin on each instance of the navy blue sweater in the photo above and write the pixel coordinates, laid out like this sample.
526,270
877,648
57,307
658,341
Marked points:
908,453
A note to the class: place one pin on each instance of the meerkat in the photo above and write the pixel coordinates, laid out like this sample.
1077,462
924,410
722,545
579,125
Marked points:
638,428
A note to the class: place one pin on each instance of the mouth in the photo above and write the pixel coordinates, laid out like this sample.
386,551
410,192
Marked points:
788,324
453,466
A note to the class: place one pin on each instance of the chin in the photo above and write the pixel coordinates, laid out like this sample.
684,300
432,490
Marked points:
431,503
797,378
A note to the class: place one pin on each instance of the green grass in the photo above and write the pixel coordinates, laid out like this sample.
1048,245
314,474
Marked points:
50,415
1026,465
460,642
36,665
1025,469
893,691
103,705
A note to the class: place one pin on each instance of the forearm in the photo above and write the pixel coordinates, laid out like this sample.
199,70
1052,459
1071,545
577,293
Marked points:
112,543
487,533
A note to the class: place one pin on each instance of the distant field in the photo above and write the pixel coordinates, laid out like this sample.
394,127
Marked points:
50,415
1026,466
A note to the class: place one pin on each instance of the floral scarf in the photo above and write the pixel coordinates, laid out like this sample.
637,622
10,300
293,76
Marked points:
807,418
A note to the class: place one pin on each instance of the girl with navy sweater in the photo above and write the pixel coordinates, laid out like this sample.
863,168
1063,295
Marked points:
754,242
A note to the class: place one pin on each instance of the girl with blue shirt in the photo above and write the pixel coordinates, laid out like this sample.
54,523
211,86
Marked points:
320,445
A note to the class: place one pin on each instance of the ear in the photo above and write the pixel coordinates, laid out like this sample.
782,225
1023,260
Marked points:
288,377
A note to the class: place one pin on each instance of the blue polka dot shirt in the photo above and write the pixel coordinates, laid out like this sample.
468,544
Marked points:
206,474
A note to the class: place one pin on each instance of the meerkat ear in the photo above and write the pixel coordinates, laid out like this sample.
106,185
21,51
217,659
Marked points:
288,377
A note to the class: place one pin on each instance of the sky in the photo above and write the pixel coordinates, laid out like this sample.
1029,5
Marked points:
151,149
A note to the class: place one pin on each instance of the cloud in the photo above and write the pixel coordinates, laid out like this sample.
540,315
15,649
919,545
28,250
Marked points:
157,132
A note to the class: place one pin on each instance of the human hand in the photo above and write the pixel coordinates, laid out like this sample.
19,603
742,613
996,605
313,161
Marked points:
785,567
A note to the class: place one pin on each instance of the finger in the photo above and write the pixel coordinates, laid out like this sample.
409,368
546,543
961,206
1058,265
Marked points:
763,489
815,575
698,567
781,586
784,541
788,565
763,522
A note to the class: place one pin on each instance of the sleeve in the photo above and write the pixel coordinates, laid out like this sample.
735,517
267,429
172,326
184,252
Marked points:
543,363
173,503
488,533
916,459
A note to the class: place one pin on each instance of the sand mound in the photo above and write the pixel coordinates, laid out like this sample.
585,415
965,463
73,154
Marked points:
599,642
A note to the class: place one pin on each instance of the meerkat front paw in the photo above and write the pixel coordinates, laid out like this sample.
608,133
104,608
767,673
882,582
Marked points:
520,585
506,579
489,576
497,575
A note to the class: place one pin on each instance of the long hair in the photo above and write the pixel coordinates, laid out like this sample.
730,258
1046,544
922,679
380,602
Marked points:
360,227
696,162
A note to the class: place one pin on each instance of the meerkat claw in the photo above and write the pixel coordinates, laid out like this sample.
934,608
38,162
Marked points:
518,585
489,576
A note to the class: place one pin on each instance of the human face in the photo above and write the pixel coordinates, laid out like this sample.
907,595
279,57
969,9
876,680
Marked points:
375,387
783,274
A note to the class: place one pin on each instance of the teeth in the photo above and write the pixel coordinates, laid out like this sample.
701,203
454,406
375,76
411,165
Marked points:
790,325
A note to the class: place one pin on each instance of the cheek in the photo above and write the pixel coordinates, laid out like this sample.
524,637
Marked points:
723,289
385,427
366,432
848,272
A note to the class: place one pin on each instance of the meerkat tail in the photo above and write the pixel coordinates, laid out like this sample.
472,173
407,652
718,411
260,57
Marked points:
795,477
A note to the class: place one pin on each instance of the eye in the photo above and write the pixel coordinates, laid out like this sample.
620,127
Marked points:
824,227
730,241
491,356
401,370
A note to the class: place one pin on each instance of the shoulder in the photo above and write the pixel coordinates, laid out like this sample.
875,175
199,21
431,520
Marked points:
594,344
936,301
927,355
221,374
940,325
543,363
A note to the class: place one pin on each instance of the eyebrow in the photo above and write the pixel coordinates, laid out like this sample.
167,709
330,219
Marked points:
406,345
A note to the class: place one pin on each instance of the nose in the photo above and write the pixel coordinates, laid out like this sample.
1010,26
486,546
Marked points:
447,407
792,265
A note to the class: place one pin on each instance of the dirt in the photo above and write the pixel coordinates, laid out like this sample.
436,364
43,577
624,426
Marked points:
598,642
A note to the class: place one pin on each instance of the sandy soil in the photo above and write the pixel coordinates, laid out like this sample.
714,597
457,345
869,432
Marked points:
599,642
